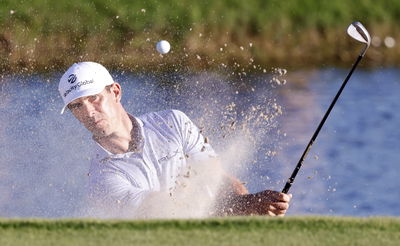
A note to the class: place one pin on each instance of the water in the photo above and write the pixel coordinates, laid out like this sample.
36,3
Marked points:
352,168
356,169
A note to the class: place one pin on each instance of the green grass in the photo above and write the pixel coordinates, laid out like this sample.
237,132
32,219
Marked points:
39,34
225,231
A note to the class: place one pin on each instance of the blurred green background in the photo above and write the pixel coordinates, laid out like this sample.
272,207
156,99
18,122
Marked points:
44,35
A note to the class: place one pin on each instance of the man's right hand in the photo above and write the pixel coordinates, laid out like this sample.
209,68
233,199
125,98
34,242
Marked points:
266,202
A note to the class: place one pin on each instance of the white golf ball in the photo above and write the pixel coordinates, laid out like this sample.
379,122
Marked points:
163,47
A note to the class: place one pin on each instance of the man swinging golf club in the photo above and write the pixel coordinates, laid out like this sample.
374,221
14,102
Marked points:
139,158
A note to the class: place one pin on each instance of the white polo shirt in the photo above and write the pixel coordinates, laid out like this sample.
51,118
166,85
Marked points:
118,183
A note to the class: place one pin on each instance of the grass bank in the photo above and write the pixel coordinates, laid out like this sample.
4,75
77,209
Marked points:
225,231
44,35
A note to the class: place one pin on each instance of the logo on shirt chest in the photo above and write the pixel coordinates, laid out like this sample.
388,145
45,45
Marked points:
174,154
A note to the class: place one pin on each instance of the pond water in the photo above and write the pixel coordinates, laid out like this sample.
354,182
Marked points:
353,168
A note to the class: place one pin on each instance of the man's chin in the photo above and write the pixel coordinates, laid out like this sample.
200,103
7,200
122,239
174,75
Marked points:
99,133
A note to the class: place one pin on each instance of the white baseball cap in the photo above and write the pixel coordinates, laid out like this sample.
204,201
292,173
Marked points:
83,79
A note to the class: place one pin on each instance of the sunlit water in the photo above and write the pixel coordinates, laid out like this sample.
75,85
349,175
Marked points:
352,169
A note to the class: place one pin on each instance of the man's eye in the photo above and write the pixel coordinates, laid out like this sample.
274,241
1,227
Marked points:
94,97
74,106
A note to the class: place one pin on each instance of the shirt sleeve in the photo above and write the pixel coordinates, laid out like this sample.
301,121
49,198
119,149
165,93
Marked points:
194,143
113,195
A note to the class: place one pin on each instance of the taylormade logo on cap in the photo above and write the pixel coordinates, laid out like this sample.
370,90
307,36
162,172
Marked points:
83,79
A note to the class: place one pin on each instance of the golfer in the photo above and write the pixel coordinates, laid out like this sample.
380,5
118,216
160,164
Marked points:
139,158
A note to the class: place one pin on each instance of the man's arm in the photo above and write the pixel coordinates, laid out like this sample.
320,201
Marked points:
112,195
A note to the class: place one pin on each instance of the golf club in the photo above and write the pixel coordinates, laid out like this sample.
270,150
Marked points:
357,31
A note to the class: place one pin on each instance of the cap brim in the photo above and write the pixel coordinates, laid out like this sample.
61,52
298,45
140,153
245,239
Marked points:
63,109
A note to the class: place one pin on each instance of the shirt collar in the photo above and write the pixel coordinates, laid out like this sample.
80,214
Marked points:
101,152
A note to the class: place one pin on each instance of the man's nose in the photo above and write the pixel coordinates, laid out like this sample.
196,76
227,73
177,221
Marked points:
87,109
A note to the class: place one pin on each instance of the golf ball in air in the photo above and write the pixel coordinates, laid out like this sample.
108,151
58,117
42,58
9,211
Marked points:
163,47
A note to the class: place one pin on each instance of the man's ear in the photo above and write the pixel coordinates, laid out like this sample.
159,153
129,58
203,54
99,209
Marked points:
116,91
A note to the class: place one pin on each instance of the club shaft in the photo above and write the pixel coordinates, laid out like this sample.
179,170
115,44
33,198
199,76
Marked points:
302,158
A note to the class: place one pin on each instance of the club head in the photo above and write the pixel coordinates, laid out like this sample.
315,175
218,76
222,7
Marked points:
357,31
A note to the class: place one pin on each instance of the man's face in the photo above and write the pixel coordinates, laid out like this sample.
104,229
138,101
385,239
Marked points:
98,113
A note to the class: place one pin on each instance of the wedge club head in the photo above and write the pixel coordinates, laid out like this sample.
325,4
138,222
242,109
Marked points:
357,31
